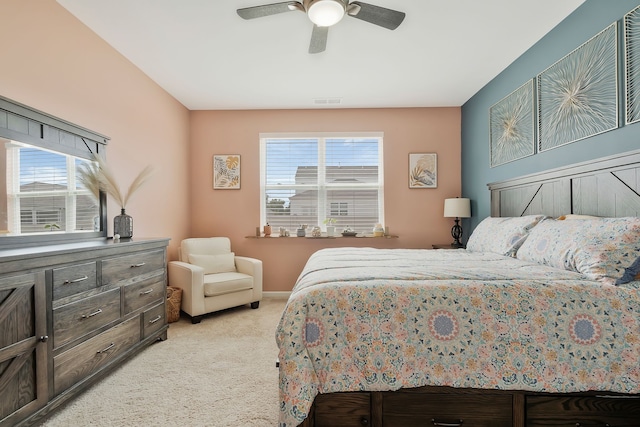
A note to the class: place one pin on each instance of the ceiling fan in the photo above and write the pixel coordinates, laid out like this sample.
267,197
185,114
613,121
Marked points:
325,13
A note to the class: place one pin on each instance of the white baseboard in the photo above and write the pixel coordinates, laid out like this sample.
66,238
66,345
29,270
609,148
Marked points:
276,294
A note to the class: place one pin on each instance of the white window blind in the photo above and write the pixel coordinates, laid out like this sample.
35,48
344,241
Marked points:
39,197
305,180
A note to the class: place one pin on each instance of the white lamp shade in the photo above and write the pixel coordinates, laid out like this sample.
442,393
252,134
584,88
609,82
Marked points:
325,13
457,208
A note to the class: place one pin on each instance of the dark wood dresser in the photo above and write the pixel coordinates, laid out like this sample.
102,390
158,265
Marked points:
71,313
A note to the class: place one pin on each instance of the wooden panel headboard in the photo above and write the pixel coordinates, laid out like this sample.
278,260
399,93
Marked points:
608,187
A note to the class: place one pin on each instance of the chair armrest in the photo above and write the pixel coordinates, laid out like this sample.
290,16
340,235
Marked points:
189,278
252,267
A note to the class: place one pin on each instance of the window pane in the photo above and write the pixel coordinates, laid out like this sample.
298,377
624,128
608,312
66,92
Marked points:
358,209
308,180
39,197
291,162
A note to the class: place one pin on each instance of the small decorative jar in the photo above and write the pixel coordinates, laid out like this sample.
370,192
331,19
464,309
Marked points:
378,230
267,230
316,232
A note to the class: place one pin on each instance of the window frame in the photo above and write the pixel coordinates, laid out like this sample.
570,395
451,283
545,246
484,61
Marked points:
321,186
21,123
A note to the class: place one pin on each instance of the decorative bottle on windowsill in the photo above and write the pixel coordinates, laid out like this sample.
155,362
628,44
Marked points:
123,225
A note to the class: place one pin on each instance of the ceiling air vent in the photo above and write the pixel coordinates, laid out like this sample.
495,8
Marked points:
327,101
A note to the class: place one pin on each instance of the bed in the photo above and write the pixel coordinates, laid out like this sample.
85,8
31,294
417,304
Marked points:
536,323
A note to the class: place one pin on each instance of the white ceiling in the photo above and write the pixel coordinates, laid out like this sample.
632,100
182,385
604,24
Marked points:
208,58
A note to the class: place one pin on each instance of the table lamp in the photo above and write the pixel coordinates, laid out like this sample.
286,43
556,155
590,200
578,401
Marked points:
457,208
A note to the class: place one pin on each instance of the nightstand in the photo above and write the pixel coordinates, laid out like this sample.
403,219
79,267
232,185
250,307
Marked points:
447,246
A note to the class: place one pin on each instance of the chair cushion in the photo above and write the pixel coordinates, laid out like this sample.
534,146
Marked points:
212,264
224,283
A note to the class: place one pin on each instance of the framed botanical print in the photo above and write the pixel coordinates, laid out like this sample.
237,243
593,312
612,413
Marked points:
423,170
226,172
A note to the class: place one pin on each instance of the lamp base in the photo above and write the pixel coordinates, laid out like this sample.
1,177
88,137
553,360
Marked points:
456,233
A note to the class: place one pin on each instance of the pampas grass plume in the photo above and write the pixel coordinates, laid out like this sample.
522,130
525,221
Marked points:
97,176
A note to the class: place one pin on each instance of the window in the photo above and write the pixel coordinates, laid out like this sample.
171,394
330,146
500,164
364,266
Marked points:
39,197
308,178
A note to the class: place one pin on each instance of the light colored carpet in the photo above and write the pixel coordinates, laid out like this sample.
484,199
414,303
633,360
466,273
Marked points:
220,372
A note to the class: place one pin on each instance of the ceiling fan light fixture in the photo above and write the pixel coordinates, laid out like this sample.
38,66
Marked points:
325,13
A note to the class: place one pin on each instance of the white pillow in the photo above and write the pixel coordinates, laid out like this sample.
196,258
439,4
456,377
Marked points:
222,263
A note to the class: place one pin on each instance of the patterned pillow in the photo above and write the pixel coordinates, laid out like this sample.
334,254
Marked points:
502,235
601,249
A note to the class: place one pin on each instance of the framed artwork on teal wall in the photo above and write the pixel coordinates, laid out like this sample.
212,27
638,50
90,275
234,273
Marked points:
511,124
578,96
632,65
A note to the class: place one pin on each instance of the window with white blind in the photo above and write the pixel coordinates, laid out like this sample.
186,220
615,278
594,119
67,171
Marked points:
43,194
306,179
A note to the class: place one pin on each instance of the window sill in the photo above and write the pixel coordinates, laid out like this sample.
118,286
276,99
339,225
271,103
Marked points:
364,236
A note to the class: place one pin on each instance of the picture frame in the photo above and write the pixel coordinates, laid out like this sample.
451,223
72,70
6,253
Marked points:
512,124
632,65
423,170
226,172
578,95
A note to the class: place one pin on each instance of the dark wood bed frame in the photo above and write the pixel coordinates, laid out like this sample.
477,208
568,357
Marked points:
607,187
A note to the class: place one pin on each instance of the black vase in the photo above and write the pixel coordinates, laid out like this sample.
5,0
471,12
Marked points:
123,225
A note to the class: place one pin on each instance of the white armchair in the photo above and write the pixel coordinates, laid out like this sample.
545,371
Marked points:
212,278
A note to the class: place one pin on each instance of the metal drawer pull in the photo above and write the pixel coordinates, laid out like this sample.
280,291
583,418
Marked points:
436,423
86,316
80,279
109,347
147,292
152,321
137,265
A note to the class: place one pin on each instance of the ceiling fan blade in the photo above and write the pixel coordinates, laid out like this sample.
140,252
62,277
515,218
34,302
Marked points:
268,9
318,39
377,15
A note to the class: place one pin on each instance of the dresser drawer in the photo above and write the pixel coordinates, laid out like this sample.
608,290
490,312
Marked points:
585,411
130,266
408,409
77,319
137,295
83,360
153,320
73,279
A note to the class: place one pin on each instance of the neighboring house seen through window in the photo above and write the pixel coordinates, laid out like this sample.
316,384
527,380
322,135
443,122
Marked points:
306,179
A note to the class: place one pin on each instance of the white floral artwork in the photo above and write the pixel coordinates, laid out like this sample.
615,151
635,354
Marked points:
632,65
578,95
512,126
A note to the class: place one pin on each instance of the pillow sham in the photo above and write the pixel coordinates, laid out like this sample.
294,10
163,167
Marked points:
601,248
212,264
502,236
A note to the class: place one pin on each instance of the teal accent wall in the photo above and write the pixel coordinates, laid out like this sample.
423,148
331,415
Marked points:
585,22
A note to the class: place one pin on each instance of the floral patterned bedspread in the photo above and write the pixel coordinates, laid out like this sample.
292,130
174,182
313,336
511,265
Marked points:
383,319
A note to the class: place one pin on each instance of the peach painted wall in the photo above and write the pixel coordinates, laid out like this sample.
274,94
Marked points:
414,215
54,63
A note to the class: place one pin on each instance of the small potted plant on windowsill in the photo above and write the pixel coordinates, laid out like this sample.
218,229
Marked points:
330,223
